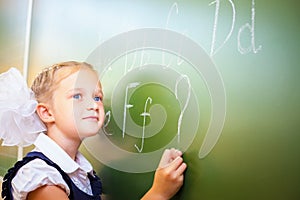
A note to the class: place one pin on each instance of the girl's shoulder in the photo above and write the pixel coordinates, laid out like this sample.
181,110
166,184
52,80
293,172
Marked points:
33,174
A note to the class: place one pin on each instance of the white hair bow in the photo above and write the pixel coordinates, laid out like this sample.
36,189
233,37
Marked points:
19,124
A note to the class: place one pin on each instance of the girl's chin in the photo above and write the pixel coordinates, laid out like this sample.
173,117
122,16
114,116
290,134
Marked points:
89,134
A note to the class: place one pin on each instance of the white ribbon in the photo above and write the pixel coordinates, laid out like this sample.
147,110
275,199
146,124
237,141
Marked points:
19,124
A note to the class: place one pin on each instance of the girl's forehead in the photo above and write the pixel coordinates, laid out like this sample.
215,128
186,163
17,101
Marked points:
85,78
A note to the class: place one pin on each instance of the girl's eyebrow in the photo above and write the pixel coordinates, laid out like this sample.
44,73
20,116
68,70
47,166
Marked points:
96,91
74,90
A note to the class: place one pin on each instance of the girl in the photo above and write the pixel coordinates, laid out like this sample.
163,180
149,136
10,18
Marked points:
69,108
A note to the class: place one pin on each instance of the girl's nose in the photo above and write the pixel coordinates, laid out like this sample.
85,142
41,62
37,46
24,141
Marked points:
93,105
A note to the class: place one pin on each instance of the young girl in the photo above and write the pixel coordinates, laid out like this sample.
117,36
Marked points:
68,102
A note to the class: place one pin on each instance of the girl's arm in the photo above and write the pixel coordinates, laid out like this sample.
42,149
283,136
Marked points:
168,177
48,192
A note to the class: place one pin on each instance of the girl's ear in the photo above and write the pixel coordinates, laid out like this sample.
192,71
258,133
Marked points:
44,113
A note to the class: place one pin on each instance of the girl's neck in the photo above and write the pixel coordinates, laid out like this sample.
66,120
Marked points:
71,148
69,145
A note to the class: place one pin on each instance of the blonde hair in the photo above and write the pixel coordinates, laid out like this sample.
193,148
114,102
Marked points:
48,80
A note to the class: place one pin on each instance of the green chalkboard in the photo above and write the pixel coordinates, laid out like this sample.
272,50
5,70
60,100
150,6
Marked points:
218,80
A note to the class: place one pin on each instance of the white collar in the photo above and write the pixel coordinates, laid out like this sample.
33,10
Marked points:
55,153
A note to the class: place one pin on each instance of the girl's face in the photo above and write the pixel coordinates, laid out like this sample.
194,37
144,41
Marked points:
77,105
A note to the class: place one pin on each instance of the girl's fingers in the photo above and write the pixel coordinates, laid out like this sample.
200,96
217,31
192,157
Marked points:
169,156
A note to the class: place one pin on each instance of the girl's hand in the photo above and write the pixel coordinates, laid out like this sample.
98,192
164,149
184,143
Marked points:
168,177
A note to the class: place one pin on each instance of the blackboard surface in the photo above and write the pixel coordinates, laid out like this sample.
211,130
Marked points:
250,102
218,80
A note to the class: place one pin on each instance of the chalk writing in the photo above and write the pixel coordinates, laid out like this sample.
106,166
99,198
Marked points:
174,6
251,27
108,117
144,115
127,105
132,64
182,77
241,49
144,61
182,99
217,2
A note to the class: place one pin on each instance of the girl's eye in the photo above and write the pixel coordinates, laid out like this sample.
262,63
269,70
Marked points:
97,98
77,96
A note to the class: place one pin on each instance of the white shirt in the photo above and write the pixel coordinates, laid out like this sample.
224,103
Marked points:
38,173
